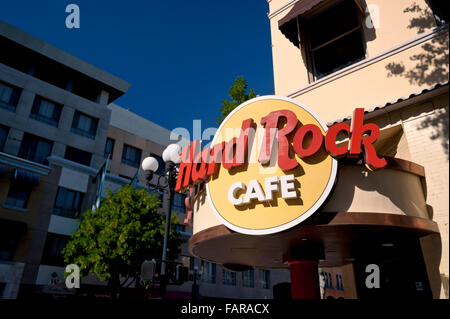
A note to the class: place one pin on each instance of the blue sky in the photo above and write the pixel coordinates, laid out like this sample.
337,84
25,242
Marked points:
180,57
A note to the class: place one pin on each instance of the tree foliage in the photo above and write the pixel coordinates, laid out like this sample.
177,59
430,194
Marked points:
114,241
238,94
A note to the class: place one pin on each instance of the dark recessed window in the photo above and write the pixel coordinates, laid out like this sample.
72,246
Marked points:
84,125
9,96
180,228
228,278
7,247
35,149
330,281
109,147
208,272
440,11
178,203
131,156
54,244
78,156
46,111
333,38
18,195
2,284
248,278
161,164
264,278
68,203
3,136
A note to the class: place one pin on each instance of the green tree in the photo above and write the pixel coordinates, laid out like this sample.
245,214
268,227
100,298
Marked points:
114,241
238,94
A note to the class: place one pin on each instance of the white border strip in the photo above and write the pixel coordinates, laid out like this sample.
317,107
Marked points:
305,215
287,5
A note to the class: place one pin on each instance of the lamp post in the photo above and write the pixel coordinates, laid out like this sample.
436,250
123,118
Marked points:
196,275
166,182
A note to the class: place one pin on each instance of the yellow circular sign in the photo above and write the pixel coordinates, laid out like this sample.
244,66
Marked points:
259,197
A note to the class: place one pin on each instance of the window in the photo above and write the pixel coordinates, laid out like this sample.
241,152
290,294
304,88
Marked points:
3,136
54,244
228,277
84,125
209,272
264,278
440,11
330,281
2,288
18,195
109,147
178,203
180,228
46,111
161,164
35,149
68,203
333,38
78,156
7,247
9,97
248,278
131,156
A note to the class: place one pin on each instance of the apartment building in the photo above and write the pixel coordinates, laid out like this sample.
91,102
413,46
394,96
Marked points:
54,122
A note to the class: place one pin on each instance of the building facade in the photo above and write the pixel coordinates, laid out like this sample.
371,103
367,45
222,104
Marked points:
54,122
57,127
390,57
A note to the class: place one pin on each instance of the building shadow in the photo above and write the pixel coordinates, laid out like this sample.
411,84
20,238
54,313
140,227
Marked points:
431,67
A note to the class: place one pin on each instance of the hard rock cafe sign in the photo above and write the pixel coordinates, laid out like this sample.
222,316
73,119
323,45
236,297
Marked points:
272,163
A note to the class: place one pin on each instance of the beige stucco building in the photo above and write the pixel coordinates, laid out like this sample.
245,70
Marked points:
391,58
402,81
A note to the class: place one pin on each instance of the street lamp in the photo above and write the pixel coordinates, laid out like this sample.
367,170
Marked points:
165,182
196,275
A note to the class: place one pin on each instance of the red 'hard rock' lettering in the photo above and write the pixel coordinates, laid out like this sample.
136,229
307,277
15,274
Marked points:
198,165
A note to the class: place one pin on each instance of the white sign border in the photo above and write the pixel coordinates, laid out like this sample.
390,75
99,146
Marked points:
305,215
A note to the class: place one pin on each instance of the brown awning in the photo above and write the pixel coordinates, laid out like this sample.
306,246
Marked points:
303,6
299,8
288,24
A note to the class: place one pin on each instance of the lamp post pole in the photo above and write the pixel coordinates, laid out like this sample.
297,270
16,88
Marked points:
196,275
168,210
171,174
166,182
